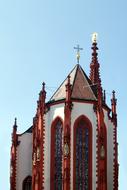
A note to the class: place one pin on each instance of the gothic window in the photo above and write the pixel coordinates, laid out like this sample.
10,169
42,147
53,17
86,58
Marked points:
27,183
82,154
56,155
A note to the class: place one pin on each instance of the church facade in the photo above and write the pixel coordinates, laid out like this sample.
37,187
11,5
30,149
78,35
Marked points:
72,144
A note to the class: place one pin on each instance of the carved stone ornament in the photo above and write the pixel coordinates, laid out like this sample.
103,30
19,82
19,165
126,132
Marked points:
66,150
102,152
38,154
34,159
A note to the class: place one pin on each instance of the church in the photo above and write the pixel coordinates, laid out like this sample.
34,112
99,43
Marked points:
72,143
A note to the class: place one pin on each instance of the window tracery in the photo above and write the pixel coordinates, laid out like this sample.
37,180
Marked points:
56,157
82,152
27,183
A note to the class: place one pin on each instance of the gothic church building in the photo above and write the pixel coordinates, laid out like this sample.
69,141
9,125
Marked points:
72,144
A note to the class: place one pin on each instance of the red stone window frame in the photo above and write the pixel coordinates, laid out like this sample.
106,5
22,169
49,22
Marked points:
89,126
52,153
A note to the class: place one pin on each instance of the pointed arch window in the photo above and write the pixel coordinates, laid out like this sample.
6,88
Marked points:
27,183
82,154
56,154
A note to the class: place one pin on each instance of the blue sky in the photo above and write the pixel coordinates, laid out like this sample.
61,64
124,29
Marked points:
36,44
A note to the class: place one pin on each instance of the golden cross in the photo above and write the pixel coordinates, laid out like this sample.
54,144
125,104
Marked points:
78,53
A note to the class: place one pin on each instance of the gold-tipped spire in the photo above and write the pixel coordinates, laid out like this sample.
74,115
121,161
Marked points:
94,37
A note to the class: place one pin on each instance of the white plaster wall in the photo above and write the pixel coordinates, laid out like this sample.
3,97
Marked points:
24,159
110,151
56,110
78,110
87,110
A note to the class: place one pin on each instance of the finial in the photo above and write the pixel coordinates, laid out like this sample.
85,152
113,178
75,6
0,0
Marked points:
114,100
104,98
113,94
95,66
113,103
43,86
15,122
78,53
78,57
68,79
94,37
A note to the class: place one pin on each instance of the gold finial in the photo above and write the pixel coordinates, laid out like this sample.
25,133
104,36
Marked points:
78,56
94,37
78,53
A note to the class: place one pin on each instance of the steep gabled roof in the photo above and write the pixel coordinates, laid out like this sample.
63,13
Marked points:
81,86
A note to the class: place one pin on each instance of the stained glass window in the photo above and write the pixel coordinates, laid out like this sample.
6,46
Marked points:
27,184
58,156
82,156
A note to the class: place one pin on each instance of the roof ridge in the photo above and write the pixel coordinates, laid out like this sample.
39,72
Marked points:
75,77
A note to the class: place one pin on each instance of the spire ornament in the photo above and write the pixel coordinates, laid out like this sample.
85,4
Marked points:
104,96
78,53
113,103
95,67
94,37
43,86
15,125
15,122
